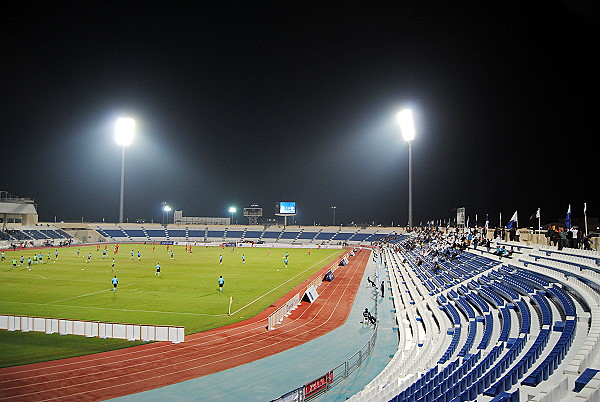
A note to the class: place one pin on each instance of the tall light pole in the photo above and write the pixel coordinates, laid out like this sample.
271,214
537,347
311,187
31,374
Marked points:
232,210
334,208
166,209
407,127
124,130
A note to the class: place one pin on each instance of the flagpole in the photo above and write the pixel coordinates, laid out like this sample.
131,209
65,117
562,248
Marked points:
585,217
230,301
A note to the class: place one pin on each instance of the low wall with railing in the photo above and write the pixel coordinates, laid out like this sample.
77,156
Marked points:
132,332
333,377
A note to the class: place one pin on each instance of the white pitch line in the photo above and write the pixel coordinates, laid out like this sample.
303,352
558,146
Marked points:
117,309
277,287
88,294
10,276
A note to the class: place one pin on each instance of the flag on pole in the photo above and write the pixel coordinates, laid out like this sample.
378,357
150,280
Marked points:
514,221
467,222
568,218
487,222
536,215
585,217
230,301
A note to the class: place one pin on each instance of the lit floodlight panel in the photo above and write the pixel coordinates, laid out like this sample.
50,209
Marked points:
287,207
407,126
124,129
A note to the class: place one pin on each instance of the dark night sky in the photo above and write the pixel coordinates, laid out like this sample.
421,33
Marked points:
259,102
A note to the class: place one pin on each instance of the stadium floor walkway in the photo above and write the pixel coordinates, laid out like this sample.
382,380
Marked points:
273,376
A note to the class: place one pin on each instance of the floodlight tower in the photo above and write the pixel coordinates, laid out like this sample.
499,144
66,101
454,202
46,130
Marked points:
124,130
407,128
166,209
232,210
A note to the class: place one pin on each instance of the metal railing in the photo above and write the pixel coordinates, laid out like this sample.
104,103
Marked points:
333,377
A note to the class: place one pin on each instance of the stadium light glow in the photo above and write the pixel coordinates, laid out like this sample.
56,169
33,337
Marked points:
232,210
407,127
124,130
166,209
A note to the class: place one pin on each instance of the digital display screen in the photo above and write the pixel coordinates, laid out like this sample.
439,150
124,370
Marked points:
287,207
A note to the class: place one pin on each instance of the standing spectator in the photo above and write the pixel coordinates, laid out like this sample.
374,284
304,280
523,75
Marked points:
562,238
554,236
575,240
587,242
569,238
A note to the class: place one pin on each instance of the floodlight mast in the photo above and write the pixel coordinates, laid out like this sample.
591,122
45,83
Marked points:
166,209
232,210
124,130
407,128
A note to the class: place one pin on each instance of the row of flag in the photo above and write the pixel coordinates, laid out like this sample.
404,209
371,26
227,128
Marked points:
514,220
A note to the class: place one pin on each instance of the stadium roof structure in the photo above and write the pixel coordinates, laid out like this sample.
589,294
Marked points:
11,204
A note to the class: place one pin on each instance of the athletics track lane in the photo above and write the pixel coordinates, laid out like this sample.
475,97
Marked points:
141,368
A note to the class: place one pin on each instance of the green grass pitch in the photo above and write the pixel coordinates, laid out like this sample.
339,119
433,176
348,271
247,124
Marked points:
186,292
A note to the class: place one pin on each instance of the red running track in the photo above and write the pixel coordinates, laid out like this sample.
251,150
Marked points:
126,371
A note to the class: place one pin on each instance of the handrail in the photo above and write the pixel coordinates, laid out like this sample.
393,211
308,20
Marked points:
333,377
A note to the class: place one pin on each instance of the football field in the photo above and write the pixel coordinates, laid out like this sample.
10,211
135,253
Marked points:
185,294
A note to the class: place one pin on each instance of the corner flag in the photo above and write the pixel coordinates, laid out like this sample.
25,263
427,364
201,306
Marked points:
230,301
513,221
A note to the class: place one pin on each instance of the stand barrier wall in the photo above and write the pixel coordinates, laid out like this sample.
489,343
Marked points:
131,332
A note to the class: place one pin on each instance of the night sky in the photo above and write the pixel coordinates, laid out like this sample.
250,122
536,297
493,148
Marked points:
258,102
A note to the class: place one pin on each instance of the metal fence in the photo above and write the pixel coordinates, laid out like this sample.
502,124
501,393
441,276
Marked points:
330,379
343,371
